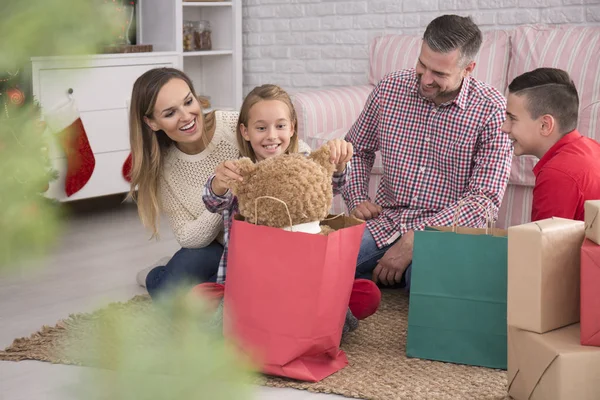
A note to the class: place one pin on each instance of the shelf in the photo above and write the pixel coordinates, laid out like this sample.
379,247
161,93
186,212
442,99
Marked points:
106,56
208,4
208,53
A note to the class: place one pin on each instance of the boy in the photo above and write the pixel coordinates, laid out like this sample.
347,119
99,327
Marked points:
541,120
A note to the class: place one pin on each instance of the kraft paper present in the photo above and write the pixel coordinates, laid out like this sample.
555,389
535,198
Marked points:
543,274
591,209
287,294
457,307
590,294
552,366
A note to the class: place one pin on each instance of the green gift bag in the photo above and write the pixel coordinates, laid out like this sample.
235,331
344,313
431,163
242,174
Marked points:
457,309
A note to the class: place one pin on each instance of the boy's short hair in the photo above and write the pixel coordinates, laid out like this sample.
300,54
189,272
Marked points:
549,91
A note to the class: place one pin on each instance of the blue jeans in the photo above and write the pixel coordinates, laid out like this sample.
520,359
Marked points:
368,257
187,267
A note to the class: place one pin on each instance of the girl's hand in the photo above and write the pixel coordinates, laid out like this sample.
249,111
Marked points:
341,152
224,174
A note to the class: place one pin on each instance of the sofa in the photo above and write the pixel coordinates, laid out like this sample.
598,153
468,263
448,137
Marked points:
329,113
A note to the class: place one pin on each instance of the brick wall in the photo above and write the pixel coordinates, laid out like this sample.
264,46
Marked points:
308,44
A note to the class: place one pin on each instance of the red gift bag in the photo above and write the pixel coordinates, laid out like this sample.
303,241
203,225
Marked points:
287,294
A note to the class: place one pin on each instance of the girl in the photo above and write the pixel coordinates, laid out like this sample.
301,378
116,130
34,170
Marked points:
175,149
267,128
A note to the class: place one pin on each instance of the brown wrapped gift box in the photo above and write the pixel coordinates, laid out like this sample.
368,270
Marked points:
552,366
592,220
543,274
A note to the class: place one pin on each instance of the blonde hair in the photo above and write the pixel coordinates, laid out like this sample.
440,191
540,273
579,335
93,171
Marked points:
260,93
147,146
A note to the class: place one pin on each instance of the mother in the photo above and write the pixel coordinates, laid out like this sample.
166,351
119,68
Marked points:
175,149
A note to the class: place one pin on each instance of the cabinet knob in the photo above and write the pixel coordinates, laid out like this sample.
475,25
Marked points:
70,91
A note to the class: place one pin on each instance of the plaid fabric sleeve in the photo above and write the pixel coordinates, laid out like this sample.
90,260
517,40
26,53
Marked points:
491,170
214,203
339,180
363,136
222,270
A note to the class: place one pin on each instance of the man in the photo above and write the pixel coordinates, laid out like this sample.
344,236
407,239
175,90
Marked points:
438,131
541,112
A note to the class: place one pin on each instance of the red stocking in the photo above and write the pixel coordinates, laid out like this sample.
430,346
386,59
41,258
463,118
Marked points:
66,123
128,160
127,169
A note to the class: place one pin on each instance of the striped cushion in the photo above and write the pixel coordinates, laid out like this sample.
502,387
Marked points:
575,49
516,206
328,114
391,53
322,112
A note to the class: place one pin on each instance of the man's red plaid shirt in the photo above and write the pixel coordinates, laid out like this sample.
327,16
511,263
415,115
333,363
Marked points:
432,156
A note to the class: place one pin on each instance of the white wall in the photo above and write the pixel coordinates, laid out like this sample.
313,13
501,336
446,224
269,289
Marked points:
307,44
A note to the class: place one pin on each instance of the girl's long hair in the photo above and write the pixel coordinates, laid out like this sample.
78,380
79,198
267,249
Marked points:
147,146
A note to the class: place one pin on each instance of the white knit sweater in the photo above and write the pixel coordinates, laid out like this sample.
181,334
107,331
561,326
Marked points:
183,179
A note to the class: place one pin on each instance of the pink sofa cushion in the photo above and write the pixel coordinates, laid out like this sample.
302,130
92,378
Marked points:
575,49
391,53
516,206
323,113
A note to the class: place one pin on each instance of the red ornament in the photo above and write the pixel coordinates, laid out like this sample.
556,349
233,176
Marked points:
16,96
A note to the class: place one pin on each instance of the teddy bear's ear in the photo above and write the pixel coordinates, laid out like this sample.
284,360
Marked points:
321,157
246,168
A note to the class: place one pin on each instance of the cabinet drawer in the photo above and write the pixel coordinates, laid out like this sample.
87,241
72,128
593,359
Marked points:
106,179
94,88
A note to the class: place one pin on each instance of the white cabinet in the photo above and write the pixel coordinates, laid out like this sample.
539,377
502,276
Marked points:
101,87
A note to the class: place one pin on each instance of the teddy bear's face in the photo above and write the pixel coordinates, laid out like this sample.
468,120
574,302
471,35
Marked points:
302,183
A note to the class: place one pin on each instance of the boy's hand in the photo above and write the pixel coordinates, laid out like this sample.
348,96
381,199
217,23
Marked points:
224,174
341,152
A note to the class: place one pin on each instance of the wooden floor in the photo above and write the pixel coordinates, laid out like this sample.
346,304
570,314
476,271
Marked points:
94,262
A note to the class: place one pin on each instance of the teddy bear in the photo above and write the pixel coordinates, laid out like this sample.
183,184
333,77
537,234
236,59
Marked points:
289,191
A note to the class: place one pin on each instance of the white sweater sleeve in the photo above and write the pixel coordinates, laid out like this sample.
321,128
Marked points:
190,232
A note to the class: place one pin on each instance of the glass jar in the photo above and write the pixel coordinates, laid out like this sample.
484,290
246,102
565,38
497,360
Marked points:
188,35
202,35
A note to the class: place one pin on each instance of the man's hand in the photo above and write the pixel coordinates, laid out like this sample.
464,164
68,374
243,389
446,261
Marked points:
341,153
394,262
366,210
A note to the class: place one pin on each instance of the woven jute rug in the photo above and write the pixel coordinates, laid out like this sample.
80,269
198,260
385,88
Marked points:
378,367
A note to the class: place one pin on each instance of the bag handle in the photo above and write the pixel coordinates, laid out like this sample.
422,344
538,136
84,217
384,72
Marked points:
470,200
334,217
287,210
